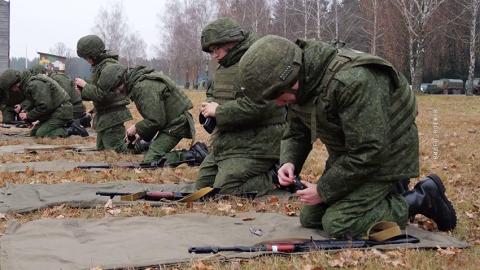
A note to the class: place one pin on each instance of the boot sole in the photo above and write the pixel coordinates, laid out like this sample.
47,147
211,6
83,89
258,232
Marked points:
436,179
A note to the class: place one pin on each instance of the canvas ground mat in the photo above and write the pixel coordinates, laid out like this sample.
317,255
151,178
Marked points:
141,241
30,197
45,166
29,148
23,198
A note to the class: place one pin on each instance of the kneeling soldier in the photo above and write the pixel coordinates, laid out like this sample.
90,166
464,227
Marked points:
45,101
163,106
362,109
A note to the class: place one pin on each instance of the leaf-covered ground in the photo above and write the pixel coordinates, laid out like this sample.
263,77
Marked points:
449,131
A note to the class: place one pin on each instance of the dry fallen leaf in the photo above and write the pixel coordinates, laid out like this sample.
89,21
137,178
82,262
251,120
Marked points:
168,210
109,204
224,207
114,212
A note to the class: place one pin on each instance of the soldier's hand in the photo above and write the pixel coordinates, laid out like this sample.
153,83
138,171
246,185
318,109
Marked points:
17,108
309,196
286,174
79,84
22,115
131,131
208,109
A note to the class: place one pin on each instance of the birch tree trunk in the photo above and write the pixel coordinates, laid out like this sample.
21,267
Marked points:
418,16
473,38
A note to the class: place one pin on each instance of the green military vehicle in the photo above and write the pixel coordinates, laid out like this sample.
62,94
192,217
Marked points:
476,86
429,88
449,86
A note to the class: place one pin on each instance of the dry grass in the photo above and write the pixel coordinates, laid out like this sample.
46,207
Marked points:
449,129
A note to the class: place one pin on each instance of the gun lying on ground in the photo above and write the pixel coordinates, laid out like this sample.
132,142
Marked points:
305,245
202,193
142,165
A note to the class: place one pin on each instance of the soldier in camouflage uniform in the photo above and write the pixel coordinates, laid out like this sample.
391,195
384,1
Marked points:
8,100
364,113
79,113
45,101
111,110
245,145
164,109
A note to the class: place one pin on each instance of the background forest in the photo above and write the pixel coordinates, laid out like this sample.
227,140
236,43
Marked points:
426,39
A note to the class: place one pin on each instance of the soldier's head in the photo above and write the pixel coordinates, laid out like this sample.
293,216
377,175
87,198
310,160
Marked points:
219,36
10,80
38,69
90,48
113,79
269,70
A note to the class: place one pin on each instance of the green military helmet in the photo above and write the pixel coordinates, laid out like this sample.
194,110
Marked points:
221,31
270,66
8,78
111,77
38,69
90,46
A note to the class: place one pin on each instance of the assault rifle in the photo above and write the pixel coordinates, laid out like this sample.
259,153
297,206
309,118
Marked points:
306,245
202,193
142,165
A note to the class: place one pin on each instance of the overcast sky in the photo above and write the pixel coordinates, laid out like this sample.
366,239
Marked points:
36,25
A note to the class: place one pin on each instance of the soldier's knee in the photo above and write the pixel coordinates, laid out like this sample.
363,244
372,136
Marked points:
341,226
332,224
311,217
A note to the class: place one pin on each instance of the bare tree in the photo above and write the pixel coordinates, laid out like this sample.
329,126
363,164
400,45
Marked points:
471,8
134,49
418,16
111,26
370,18
61,49
181,32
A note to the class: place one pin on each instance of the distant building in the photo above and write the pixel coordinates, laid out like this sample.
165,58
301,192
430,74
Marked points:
4,34
51,61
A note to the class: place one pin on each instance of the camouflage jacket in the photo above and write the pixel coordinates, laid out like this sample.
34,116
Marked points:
244,128
67,84
162,105
111,109
364,113
46,99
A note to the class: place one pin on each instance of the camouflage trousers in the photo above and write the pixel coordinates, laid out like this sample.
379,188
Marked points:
354,214
236,175
112,138
52,127
161,147
8,116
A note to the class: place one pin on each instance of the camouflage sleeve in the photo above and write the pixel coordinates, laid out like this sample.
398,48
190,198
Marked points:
209,92
152,108
41,105
93,93
243,111
362,108
296,143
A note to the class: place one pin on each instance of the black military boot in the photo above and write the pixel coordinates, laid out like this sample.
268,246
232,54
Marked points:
428,198
196,154
74,128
